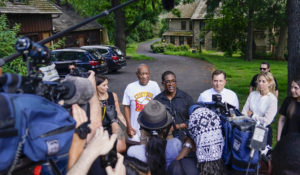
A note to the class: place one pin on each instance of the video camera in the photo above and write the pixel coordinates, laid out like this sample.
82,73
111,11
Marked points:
34,126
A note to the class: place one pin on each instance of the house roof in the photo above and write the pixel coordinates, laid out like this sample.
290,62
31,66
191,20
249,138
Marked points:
32,7
200,11
194,11
178,33
69,18
186,10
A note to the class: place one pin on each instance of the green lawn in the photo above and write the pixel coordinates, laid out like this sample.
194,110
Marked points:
240,72
131,52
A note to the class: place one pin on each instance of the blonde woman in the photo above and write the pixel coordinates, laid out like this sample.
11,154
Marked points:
261,105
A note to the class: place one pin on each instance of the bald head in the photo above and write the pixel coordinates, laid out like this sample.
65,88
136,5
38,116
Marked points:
143,74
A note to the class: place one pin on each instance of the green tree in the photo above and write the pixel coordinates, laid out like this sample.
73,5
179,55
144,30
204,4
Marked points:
124,21
228,26
244,16
8,38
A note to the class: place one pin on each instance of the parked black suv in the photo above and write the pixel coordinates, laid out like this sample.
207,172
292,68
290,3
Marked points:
83,59
114,57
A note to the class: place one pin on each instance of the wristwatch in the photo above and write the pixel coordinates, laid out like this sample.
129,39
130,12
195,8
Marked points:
187,144
83,130
114,120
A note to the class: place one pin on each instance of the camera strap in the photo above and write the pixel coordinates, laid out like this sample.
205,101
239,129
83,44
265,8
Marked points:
54,167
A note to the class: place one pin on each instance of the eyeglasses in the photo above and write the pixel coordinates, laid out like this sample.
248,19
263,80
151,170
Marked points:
263,68
170,82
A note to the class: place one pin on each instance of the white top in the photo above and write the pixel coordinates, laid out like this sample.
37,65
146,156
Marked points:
137,96
264,108
228,96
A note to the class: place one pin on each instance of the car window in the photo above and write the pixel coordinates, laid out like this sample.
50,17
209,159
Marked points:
65,56
95,55
53,56
82,56
103,51
117,51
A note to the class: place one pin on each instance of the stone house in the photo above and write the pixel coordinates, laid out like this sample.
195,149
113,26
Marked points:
189,28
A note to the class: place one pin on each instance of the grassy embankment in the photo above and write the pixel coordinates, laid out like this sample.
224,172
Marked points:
240,72
131,52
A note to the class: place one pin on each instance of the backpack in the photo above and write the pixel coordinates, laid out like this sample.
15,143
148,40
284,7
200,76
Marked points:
237,136
242,131
225,125
32,126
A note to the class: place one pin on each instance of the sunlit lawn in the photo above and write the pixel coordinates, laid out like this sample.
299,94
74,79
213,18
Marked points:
240,72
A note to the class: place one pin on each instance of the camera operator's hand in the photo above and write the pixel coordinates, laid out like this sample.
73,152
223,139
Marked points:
101,144
130,131
95,110
79,115
92,78
119,168
77,146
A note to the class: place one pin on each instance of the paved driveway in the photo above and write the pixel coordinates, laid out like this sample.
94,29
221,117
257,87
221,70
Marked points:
193,75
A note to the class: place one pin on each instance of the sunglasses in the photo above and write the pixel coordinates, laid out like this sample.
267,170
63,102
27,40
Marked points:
263,68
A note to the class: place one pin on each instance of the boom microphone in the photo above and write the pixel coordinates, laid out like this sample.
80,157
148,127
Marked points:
168,4
84,91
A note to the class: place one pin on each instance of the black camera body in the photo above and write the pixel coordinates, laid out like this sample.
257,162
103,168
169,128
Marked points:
110,159
79,72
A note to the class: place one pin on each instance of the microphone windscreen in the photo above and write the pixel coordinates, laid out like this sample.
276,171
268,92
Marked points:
168,4
84,90
13,82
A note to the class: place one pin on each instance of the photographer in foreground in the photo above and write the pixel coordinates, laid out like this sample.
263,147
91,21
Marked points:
95,122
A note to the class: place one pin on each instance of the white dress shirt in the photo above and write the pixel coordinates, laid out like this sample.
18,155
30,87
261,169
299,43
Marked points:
228,96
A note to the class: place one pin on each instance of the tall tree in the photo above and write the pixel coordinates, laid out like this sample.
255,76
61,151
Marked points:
257,14
123,21
249,47
293,7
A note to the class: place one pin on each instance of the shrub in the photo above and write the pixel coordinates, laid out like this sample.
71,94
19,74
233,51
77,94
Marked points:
159,47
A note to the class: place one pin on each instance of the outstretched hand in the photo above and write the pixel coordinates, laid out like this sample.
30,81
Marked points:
101,144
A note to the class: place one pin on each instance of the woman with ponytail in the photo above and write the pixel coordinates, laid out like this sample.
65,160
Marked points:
156,151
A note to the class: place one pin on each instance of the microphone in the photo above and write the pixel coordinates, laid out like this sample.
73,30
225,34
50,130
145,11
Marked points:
11,82
168,4
81,93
